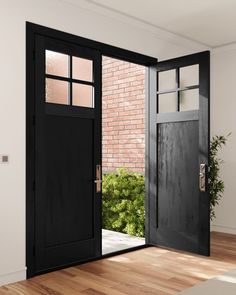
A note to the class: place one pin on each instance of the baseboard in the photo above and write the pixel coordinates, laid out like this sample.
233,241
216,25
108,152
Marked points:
223,229
12,277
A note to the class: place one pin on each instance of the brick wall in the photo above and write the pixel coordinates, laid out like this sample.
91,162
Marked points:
123,116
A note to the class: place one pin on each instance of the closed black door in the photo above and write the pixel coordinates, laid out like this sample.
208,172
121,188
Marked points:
178,207
67,154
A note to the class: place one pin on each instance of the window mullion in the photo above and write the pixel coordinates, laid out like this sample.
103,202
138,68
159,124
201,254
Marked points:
178,87
71,88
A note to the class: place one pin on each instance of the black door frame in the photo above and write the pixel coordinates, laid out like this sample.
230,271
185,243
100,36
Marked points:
31,31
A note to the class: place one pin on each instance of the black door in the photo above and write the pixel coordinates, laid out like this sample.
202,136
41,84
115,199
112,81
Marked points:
178,206
67,154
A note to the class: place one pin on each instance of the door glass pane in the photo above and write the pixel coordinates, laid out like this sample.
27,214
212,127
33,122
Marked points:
83,95
82,69
167,102
166,80
189,76
57,63
57,91
189,100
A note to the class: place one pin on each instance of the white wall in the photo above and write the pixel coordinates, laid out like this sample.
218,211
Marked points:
61,15
223,121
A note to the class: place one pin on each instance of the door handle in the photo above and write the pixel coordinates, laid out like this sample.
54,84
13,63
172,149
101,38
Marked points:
98,180
202,178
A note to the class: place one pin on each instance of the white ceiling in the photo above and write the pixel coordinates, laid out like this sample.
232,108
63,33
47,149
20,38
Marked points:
210,22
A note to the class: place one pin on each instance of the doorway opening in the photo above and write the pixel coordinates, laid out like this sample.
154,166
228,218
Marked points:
123,155
64,152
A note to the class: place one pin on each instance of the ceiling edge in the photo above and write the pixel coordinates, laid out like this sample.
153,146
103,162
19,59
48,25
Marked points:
130,20
225,47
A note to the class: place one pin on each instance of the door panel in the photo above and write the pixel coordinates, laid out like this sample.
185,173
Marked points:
68,148
179,143
178,180
69,172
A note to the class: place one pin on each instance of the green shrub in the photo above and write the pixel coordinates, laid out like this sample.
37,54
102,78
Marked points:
217,185
123,202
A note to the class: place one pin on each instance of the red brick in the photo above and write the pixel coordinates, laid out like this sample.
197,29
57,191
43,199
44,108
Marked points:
123,115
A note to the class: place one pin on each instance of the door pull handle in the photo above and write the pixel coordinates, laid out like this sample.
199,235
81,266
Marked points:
98,180
202,178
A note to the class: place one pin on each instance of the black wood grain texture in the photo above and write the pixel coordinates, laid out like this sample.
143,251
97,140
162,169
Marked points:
177,191
68,148
179,142
64,193
69,180
39,115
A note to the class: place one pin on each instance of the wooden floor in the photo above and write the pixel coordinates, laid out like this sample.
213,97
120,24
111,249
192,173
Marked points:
147,271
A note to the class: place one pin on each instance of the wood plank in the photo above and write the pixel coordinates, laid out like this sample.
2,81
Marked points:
149,271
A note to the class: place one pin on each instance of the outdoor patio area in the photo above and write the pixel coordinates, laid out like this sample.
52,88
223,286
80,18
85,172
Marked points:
113,241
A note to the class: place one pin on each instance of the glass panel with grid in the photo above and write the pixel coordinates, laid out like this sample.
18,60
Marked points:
68,80
178,89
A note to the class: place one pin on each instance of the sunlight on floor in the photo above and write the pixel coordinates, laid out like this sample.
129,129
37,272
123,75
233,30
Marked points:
114,241
229,278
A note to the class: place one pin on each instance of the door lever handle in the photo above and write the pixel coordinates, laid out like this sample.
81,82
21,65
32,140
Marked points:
202,178
98,180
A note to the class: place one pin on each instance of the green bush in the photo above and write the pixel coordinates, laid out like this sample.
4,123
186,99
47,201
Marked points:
217,185
123,202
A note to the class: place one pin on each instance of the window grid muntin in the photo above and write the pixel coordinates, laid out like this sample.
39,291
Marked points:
70,80
177,90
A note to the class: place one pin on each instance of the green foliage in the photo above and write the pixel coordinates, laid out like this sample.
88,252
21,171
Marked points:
216,183
123,202
123,194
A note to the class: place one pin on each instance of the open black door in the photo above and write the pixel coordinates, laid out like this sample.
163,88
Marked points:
67,154
178,203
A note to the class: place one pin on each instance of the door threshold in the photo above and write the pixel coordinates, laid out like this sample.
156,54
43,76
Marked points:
123,251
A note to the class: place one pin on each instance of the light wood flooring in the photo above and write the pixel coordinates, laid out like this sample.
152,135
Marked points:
151,271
